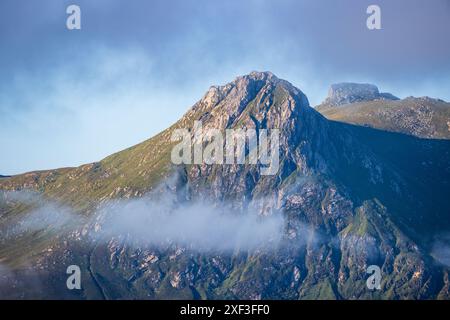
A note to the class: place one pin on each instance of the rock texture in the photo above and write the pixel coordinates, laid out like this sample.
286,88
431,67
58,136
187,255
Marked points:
349,197
345,93
422,117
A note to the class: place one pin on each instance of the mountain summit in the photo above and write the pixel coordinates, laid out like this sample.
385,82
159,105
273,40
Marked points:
348,197
347,92
256,99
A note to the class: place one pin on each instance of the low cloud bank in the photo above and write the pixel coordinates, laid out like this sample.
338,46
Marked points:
198,225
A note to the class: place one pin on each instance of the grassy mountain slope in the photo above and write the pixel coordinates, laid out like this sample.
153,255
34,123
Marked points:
422,117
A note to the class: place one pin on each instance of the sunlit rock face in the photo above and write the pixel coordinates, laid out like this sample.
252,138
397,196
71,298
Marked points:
346,198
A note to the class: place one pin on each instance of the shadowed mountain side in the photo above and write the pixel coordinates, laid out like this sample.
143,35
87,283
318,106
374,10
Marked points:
423,163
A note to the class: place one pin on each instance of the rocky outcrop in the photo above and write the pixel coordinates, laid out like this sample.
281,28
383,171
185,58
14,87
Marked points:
422,117
346,92
349,198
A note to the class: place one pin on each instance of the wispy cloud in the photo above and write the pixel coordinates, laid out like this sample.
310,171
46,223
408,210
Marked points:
198,225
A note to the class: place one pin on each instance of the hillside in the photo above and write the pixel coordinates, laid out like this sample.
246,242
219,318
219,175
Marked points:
421,117
348,197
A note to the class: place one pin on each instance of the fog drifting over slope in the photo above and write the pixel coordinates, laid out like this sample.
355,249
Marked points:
146,221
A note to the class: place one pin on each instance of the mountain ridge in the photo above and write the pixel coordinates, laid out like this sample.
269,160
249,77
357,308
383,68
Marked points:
367,196
350,92
423,117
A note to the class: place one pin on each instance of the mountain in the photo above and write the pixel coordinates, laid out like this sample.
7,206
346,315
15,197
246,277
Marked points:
348,197
348,92
422,117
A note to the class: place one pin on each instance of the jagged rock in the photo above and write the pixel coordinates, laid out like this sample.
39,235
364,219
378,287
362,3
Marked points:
349,196
422,117
345,93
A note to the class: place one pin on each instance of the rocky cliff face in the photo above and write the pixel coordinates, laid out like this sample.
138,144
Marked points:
349,197
345,93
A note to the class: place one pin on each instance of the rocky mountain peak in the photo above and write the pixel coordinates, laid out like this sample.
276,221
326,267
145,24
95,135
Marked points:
250,83
260,75
426,99
336,192
257,99
347,92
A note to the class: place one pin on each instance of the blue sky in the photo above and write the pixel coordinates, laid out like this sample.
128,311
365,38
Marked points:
72,97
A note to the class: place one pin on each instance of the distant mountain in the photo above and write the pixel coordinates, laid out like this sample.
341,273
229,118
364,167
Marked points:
349,196
347,92
421,117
